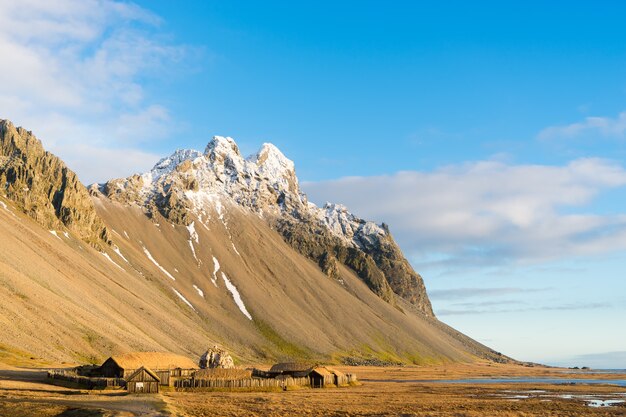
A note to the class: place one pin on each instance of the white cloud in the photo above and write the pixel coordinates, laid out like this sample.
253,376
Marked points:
149,123
463,293
600,360
71,73
478,308
127,160
602,126
488,212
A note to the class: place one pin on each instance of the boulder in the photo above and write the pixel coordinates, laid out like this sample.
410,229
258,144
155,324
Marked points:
216,357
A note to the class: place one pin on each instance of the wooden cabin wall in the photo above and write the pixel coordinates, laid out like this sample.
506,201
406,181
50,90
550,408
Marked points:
149,387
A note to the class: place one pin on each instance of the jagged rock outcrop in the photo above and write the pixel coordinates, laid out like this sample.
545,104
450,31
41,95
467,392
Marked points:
44,188
187,182
216,357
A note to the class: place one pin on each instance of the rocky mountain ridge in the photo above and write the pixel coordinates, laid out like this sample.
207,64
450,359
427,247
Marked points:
45,188
184,184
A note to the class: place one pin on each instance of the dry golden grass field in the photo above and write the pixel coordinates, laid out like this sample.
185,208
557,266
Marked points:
388,391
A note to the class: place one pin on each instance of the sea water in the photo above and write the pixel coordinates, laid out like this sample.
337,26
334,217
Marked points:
521,380
591,400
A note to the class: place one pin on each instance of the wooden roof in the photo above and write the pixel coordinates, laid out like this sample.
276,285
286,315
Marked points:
321,371
291,367
153,360
142,369
335,372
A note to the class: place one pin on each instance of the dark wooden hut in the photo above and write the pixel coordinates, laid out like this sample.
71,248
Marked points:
319,376
143,381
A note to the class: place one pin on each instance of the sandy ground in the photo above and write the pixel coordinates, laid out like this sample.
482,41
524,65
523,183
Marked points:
384,392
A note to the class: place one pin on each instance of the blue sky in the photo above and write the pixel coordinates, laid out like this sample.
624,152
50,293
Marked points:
490,137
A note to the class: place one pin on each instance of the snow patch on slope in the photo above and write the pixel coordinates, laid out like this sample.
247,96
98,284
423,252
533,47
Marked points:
236,296
117,250
201,213
149,255
200,292
193,250
220,212
106,255
184,299
216,267
193,235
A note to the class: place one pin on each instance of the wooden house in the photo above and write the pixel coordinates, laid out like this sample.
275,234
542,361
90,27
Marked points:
164,365
340,379
143,381
319,376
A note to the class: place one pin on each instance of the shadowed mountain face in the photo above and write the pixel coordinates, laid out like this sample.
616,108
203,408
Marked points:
206,248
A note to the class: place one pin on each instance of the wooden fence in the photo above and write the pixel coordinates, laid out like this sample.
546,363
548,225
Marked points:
345,379
87,382
247,383
186,383
164,377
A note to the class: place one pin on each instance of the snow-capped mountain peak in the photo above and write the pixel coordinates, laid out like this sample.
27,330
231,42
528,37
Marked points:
271,161
344,224
264,182
223,146
168,164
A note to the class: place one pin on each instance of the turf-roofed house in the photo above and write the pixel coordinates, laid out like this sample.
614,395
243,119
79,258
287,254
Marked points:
164,365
